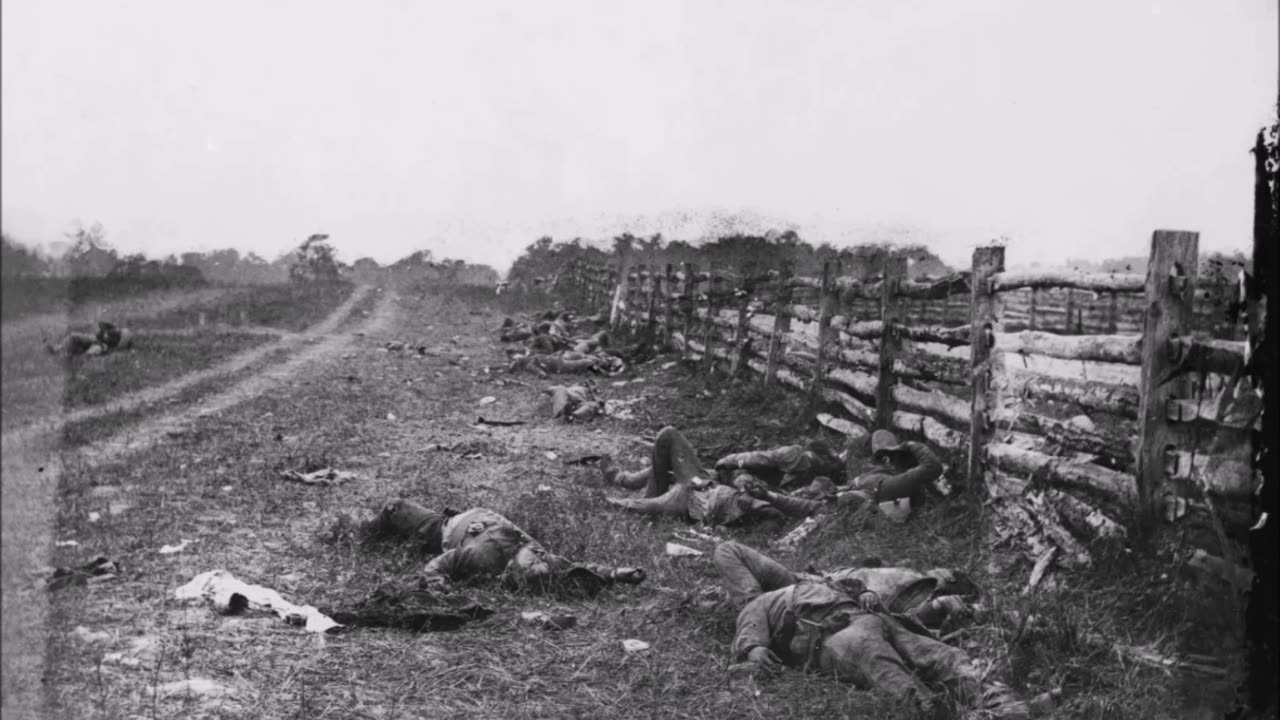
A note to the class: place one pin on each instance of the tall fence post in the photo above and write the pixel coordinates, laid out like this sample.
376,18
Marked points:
781,325
1069,326
713,283
984,323
1170,295
741,336
826,308
688,301
895,269
668,299
652,282
617,286
604,281
635,304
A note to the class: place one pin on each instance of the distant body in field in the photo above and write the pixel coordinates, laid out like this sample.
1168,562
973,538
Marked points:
109,338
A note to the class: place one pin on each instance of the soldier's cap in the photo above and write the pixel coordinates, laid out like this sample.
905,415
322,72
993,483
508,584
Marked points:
884,442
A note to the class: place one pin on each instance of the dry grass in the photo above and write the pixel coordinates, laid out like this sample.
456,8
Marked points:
291,307
166,346
217,485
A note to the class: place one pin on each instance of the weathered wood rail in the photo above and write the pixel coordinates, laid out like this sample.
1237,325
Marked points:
1062,395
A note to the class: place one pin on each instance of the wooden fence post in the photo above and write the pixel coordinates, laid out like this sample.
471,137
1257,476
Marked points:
895,269
689,291
668,290
1170,294
1031,309
1071,308
635,305
654,280
984,323
781,325
604,280
708,330
741,336
826,308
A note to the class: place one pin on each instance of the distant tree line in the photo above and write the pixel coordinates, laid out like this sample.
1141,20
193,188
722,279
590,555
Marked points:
747,255
751,255
87,254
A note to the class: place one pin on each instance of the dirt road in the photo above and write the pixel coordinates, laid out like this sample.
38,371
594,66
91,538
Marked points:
33,460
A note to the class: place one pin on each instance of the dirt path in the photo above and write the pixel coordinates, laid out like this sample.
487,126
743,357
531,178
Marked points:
146,434
32,460
159,393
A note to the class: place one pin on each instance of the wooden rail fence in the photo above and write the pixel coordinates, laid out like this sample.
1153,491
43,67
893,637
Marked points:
1087,405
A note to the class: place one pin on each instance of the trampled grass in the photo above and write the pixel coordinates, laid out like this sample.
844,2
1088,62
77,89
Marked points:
384,415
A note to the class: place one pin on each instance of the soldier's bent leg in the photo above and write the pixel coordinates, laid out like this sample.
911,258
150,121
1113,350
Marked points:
863,655
674,502
746,573
614,475
938,662
674,461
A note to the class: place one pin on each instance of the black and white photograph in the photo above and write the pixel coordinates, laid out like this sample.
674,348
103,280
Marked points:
689,359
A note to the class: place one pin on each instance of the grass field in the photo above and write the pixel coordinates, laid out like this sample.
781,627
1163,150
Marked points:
382,415
23,297
168,345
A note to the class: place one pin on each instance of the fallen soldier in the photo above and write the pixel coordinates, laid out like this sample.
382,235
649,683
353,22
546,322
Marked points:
106,339
567,362
933,599
515,332
575,402
785,466
839,627
901,471
591,344
676,485
480,543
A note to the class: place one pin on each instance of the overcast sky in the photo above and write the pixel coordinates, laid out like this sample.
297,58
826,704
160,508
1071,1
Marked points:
1074,127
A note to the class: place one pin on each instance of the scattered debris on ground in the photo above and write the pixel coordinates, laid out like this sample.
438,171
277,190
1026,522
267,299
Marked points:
99,570
324,476
230,596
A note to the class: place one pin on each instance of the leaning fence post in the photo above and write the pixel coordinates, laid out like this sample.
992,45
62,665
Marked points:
826,308
1170,292
895,269
984,323
781,325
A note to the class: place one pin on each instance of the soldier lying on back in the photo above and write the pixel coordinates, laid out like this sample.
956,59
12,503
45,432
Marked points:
107,339
899,471
479,543
675,483
835,624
